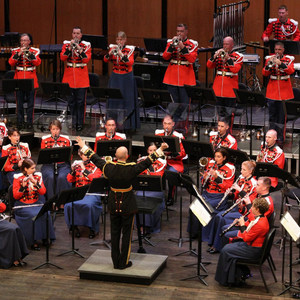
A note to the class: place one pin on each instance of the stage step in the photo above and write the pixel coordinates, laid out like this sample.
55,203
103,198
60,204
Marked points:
145,268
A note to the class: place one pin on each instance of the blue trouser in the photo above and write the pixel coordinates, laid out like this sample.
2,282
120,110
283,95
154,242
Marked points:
77,105
21,96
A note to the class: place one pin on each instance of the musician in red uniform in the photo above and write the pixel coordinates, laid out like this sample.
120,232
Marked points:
153,221
28,188
174,160
278,67
227,64
16,151
122,58
109,134
272,154
252,235
25,59
54,140
282,27
88,210
76,53
222,138
182,53
3,133
243,189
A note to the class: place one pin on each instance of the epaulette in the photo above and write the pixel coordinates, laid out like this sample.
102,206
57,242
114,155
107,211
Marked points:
24,144
65,136
194,42
230,166
231,138
37,50
169,40
46,136
5,147
213,133
67,42
178,134
158,131
100,134
122,135
294,22
88,44
38,174
14,49
292,58
75,162
16,176
271,20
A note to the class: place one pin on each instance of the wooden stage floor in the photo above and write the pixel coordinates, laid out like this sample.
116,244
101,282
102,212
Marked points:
52,283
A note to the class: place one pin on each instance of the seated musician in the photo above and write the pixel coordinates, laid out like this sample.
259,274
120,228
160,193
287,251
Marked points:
271,153
152,222
262,190
252,235
28,188
12,243
55,140
109,134
174,160
16,152
243,188
217,178
86,211
222,137
3,133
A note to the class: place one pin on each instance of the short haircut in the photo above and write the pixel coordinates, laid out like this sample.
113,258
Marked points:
168,117
224,120
266,181
122,35
77,27
279,44
55,123
182,25
282,6
251,164
110,119
261,204
11,131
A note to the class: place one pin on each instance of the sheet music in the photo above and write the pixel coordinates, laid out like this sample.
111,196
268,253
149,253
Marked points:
200,212
291,226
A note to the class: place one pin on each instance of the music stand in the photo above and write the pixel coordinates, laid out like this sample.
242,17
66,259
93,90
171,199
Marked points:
237,157
157,98
15,85
192,190
157,45
290,47
45,208
200,96
67,196
172,141
109,147
103,94
146,205
100,186
53,156
246,98
56,91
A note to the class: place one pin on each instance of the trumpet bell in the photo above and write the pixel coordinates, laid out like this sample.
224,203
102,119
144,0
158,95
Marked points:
108,158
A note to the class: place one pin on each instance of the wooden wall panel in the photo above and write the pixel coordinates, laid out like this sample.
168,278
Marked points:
2,16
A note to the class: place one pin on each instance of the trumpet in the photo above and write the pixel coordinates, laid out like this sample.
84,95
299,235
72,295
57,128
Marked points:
116,50
74,45
232,225
176,40
222,54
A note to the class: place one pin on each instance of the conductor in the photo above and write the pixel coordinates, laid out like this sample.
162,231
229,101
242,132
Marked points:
121,200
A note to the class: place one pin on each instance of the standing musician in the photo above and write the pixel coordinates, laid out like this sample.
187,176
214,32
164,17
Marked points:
16,151
121,200
271,153
54,140
77,54
109,134
282,27
25,59
243,189
263,191
278,67
12,242
28,188
152,221
182,53
222,138
86,211
174,160
252,235
122,58
227,64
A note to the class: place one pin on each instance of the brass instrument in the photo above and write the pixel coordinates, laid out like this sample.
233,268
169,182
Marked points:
108,158
74,45
116,50
232,225
222,54
203,161
176,40
208,177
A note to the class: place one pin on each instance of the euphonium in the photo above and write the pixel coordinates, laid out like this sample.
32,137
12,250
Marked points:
108,158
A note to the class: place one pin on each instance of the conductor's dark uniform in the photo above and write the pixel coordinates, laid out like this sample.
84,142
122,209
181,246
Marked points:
121,201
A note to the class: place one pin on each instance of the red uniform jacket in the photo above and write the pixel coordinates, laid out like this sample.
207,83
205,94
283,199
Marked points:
227,74
174,161
101,136
26,64
180,70
256,232
268,212
3,133
157,168
279,86
223,181
273,155
121,65
76,71
282,31
49,142
227,141
30,193
83,177
15,153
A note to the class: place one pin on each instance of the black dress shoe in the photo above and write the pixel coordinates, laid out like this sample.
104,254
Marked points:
35,247
213,251
127,266
91,234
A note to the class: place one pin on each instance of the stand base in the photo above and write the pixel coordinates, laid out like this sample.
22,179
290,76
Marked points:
180,241
200,277
289,287
74,251
146,240
103,242
190,252
145,268
47,264
201,265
